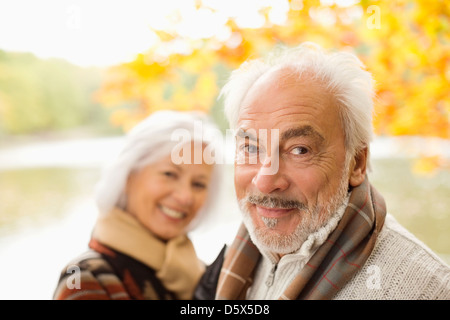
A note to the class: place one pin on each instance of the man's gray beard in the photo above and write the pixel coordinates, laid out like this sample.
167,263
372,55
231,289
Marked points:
312,220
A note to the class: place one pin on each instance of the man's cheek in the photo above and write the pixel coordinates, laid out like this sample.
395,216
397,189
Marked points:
242,180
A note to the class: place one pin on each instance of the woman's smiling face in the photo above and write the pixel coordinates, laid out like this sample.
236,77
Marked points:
165,197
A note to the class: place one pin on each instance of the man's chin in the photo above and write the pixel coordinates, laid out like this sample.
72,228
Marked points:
276,242
273,239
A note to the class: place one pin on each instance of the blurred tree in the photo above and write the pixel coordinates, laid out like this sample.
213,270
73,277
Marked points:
40,95
404,43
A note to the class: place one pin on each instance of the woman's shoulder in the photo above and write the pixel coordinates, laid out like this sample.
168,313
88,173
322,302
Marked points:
89,277
91,260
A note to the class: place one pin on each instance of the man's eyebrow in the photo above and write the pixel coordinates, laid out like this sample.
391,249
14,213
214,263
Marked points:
241,133
301,132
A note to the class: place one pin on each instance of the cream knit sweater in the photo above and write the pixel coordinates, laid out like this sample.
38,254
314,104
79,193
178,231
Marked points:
400,267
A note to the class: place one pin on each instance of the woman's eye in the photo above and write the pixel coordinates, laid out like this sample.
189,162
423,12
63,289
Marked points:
299,150
170,174
199,185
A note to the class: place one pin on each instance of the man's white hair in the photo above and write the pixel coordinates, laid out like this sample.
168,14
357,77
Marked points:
150,141
341,73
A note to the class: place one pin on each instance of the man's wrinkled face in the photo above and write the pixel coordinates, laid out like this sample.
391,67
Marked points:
282,208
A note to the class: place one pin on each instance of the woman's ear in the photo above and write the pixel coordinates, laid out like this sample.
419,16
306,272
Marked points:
358,168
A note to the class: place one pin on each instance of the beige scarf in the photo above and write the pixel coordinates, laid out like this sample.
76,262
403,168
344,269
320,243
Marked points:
175,262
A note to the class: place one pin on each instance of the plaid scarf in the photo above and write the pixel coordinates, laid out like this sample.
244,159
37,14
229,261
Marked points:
332,265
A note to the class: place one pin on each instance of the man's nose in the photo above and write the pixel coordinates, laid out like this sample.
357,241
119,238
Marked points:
268,180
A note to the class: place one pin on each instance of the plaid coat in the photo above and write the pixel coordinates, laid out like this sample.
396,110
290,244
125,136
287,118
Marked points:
106,274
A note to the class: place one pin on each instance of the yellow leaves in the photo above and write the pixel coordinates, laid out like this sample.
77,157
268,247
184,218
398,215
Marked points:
189,83
427,165
409,65
145,68
198,61
201,97
417,107
125,119
408,52
205,91
206,85
163,35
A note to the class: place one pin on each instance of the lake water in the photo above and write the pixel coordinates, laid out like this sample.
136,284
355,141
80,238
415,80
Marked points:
47,210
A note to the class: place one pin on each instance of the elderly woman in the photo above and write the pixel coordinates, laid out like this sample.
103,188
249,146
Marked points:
151,195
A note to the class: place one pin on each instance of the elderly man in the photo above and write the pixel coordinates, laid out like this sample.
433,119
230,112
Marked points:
313,226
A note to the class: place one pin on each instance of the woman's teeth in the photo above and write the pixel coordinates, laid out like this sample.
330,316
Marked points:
172,213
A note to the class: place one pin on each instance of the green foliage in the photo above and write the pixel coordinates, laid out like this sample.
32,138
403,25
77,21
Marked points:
40,95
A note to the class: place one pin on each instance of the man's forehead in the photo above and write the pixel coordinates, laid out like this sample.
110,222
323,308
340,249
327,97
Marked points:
278,116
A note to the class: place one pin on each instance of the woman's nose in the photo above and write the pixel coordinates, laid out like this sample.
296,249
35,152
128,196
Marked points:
184,195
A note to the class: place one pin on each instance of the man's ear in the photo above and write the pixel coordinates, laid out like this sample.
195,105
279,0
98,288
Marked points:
358,168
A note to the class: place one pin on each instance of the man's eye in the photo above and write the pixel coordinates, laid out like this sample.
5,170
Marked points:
250,148
299,150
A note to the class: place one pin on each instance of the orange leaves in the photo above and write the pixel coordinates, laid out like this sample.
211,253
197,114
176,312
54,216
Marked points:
409,57
405,44
181,82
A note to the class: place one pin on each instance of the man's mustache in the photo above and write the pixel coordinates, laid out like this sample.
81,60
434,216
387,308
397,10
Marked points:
275,202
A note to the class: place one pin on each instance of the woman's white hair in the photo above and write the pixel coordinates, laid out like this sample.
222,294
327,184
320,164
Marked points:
341,73
151,140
